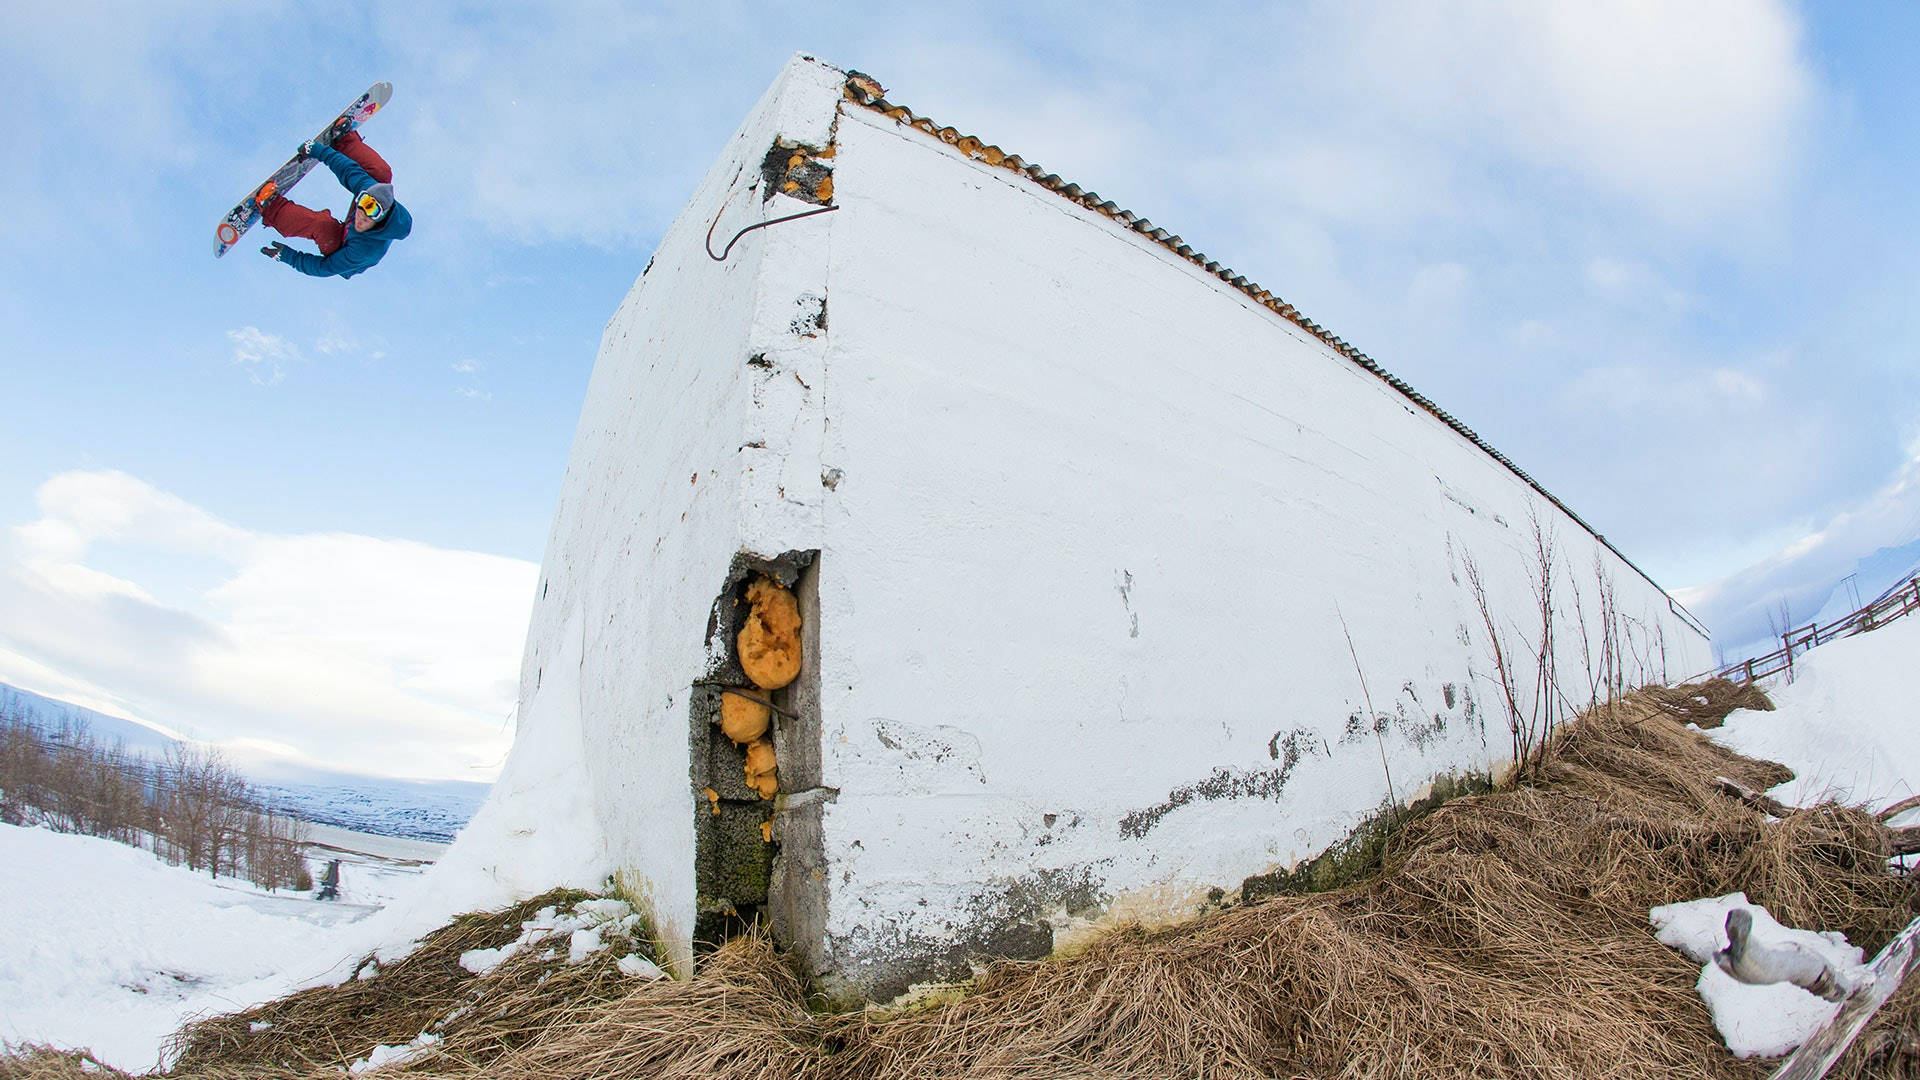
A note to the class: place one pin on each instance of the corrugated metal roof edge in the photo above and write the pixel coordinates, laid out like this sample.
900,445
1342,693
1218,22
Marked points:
863,90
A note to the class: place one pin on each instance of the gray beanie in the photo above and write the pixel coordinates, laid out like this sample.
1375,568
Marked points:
382,194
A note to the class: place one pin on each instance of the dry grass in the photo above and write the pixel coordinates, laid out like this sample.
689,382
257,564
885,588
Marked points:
45,1063
1504,936
1706,704
427,991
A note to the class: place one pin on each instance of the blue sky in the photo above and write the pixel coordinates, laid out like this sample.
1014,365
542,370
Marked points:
1661,255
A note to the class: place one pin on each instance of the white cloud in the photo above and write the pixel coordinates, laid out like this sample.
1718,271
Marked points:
1439,290
265,357
1696,111
1737,385
1635,284
1803,572
1639,389
1532,334
363,653
340,339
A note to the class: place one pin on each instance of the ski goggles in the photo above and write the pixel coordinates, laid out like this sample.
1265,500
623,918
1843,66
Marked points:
369,206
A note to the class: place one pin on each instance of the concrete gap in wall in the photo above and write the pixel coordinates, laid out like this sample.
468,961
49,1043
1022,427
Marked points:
797,890
749,741
801,171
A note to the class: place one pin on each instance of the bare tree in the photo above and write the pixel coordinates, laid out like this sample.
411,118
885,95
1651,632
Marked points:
1506,679
189,807
1780,618
1541,716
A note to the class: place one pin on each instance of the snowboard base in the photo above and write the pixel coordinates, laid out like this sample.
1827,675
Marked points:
247,212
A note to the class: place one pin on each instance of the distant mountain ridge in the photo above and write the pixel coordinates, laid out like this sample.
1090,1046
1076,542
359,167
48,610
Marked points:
414,809
51,713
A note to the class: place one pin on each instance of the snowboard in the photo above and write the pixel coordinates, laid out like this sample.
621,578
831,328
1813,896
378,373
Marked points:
243,216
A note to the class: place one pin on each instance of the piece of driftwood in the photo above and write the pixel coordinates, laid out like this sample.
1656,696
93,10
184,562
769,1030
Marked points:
1766,804
1758,964
1820,1051
1899,808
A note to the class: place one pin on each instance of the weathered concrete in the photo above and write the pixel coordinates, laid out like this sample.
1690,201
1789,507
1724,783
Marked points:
1131,594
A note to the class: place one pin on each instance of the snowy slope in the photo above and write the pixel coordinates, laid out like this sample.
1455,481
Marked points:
108,948
50,714
1848,725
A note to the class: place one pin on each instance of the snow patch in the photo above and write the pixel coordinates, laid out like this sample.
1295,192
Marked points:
583,926
640,967
382,1056
1844,725
109,949
1755,1021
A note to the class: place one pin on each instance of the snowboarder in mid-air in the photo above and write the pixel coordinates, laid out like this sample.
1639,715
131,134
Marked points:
374,221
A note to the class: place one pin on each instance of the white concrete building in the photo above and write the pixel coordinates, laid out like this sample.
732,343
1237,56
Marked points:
1123,586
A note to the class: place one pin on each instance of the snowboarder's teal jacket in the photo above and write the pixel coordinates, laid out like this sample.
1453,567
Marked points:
362,249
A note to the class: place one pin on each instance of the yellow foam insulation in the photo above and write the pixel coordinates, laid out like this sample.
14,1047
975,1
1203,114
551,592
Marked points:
766,831
770,640
824,189
760,768
713,800
742,720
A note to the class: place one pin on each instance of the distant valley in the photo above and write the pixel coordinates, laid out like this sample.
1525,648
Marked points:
414,809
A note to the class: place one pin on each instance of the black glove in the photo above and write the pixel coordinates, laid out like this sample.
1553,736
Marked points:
276,251
307,148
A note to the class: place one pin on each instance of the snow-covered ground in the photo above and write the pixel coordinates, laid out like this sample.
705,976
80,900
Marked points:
1848,725
1849,728
108,948
1766,1020
111,949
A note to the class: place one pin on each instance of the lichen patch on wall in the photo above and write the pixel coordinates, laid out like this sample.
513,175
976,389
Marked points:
1010,918
1225,783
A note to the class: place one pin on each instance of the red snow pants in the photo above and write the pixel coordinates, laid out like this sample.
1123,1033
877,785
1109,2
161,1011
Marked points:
290,219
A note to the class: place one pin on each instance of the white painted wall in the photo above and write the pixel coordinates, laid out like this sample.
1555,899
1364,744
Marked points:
659,494
1101,520
1098,522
